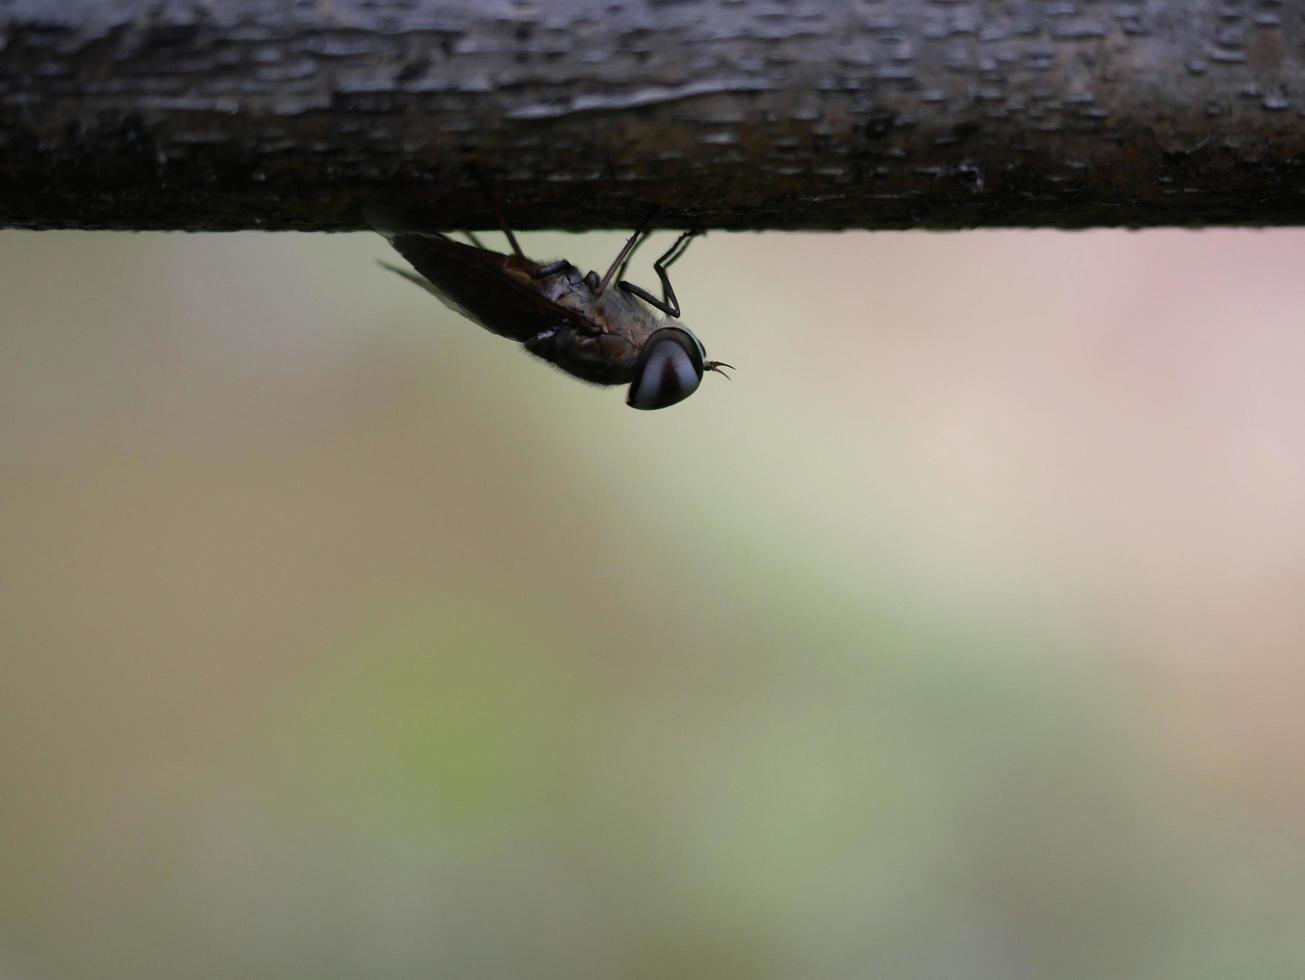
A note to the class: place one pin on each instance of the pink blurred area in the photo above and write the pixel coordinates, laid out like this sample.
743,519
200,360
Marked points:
959,635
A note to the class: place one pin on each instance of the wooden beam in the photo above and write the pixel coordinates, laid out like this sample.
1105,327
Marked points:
292,114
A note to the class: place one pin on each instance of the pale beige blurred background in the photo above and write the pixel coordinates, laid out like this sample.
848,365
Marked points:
960,637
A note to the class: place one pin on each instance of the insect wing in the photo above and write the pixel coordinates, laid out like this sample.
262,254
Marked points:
493,289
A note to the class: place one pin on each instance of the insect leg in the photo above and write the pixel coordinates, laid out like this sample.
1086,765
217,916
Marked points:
471,237
502,223
552,269
494,201
619,261
620,273
668,304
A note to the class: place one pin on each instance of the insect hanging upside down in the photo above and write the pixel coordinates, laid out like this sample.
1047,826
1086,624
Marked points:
607,337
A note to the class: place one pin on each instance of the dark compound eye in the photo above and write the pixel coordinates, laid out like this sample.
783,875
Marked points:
669,370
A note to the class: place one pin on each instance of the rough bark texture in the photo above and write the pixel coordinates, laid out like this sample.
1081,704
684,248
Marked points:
223,114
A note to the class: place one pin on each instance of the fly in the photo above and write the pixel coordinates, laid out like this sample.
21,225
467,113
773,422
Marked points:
607,337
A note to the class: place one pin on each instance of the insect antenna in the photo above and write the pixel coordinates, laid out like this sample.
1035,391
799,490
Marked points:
716,366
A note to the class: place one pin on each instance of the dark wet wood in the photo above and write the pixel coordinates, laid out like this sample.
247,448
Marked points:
224,114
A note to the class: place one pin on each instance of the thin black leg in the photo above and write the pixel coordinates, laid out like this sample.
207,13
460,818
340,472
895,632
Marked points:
502,223
622,257
620,273
668,304
488,189
471,237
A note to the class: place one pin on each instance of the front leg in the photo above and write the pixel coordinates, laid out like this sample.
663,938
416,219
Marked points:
668,304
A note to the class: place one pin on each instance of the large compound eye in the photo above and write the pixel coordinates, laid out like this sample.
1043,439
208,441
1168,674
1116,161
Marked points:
669,370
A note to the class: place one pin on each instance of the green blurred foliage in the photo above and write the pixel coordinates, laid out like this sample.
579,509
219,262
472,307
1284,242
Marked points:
955,638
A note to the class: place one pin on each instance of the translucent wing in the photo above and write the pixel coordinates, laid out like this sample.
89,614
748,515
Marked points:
497,291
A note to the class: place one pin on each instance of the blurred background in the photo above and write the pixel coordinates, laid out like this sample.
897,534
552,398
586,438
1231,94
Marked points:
959,636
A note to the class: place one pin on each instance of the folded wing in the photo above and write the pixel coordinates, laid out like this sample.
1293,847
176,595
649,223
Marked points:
495,290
